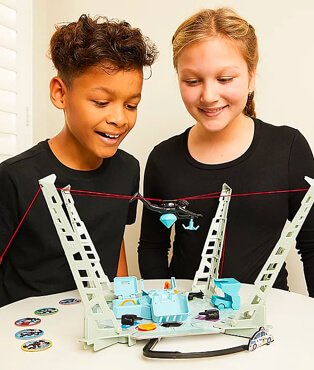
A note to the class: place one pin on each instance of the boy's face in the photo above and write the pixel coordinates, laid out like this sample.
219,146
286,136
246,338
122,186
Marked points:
100,108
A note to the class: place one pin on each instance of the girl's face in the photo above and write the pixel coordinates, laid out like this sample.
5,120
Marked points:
214,82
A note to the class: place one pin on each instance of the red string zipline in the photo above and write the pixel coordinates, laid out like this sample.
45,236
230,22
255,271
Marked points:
129,197
19,225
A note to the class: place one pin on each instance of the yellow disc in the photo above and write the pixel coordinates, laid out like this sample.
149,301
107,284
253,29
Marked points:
147,327
36,345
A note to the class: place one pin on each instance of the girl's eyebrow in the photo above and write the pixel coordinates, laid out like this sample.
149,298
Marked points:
222,69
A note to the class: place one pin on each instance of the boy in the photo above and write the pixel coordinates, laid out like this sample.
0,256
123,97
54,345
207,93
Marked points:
98,86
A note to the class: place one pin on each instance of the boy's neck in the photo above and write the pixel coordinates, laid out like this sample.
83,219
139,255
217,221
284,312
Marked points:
70,155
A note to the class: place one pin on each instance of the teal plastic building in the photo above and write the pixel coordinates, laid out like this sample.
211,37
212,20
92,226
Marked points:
128,300
159,305
168,304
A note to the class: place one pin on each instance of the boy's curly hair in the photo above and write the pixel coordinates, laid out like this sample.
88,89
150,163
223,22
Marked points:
110,44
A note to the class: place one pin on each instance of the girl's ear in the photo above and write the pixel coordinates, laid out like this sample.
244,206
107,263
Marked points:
57,92
252,81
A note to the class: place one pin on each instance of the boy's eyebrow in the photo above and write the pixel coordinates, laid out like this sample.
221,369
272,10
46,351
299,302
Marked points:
112,92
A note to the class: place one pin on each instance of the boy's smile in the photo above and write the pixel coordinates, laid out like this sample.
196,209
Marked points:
100,108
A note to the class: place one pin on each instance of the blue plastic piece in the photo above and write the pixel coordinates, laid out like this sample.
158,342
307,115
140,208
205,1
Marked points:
168,304
159,305
128,301
168,219
230,288
125,287
190,225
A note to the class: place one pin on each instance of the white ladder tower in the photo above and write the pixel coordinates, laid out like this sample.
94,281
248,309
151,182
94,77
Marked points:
252,315
213,246
101,327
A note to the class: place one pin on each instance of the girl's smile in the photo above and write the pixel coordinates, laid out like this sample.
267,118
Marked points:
214,82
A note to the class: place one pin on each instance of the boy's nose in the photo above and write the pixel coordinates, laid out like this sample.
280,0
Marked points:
117,117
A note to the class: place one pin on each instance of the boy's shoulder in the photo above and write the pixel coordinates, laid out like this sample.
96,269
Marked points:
125,158
31,154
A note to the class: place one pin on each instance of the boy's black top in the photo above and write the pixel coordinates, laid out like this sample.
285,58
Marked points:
277,159
35,263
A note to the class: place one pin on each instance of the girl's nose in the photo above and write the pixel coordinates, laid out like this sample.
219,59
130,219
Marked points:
209,93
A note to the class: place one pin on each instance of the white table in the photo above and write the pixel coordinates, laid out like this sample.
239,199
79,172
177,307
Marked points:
290,314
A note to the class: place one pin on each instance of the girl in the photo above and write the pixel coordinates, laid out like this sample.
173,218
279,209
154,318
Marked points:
215,55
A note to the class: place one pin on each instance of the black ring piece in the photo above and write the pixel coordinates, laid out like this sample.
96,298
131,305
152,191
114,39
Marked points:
148,351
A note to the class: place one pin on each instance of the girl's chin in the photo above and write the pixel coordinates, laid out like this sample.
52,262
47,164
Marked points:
212,127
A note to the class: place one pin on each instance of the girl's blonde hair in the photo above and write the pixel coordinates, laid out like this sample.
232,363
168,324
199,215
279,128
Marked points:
222,22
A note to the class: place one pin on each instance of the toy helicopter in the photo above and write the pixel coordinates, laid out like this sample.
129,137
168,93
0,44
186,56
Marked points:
171,211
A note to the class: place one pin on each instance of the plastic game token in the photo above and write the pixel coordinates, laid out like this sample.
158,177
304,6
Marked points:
36,345
29,334
146,327
46,311
28,321
68,301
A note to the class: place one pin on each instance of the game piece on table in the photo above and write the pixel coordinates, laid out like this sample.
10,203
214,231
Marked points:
29,334
27,321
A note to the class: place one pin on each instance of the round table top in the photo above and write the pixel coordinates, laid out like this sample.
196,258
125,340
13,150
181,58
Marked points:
291,316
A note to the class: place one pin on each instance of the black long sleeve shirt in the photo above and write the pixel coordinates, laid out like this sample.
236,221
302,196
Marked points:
35,264
277,159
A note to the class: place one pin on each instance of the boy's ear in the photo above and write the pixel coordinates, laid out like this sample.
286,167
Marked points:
57,92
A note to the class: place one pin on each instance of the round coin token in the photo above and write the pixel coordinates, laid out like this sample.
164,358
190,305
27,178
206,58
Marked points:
29,334
46,311
27,321
36,345
68,301
147,327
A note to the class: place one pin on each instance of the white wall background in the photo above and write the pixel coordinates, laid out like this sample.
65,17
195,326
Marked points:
284,85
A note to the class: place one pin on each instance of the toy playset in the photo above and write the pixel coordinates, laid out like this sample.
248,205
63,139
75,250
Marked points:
128,313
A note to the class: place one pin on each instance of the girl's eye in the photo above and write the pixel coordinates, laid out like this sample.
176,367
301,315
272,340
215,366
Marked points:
100,103
225,79
191,82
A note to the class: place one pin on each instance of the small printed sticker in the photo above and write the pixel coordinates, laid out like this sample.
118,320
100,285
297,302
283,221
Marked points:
29,334
46,311
68,301
36,345
28,321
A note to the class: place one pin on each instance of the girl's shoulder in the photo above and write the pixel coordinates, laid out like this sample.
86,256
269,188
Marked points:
271,131
173,143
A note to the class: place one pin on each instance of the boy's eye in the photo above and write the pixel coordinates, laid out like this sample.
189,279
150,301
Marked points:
100,103
225,79
131,106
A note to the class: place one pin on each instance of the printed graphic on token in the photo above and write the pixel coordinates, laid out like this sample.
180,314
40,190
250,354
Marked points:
27,321
68,301
46,311
29,334
36,345
147,327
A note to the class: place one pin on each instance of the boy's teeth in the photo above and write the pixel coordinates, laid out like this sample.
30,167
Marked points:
112,136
